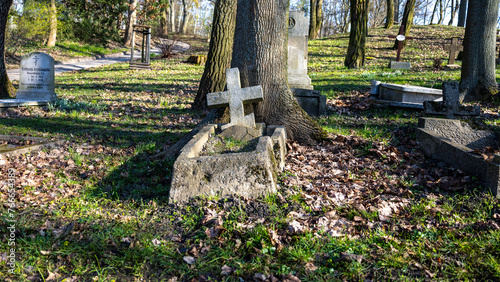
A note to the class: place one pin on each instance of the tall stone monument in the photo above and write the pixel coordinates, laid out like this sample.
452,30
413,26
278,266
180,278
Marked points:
298,29
310,100
36,78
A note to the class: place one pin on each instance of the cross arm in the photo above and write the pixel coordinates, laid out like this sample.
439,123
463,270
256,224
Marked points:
218,99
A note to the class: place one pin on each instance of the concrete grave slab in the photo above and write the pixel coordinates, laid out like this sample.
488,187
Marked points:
399,65
311,101
404,95
453,141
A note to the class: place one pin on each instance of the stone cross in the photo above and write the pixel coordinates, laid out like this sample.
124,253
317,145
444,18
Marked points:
450,106
400,38
453,48
235,97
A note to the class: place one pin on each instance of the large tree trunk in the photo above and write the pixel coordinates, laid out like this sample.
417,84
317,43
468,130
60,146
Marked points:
315,18
132,15
219,52
355,57
407,21
389,19
462,13
478,63
51,42
260,52
6,88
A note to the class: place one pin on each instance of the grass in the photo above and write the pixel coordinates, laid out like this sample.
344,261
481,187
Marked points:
102,183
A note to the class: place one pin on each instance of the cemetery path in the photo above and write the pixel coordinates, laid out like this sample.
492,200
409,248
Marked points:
62,67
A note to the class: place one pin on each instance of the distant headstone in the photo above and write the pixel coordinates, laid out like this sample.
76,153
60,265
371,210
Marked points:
235,97
36,78
450,106
298,29
453,48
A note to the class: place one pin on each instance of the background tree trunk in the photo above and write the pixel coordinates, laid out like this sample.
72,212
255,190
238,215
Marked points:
478,63
355,57
315,18
434,11
397,4
454,10
441,12
407,21
7,90
132,15
184,17
260,52
164,21
171,14
389,19
462,13
219,52
51,42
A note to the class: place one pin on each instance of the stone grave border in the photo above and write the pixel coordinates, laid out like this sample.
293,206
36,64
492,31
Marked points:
405,96
44,143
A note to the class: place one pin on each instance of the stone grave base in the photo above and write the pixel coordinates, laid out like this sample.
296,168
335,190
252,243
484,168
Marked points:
24,144
248,174
12,103
311,101
404,95
399,65
453,141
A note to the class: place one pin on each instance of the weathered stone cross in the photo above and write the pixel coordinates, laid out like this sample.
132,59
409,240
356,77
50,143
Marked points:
453,48
400,38
450,106
235,97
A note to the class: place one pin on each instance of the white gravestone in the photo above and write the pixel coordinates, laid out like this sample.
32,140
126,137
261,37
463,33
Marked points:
36,78
235,97
298,30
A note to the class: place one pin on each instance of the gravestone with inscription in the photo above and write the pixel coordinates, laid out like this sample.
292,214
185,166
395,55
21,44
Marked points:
36,78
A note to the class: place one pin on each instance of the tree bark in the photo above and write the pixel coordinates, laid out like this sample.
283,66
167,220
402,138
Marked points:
407,21
462,13
441,12
132,15
171,14
396,10
260,52
164,21
184,17
315,18
355,57
51,42
219,52
478,63
389,19
6,88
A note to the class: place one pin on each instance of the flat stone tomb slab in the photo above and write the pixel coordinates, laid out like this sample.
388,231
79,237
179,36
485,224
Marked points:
245,173
453,141
13,145
235,97
405,95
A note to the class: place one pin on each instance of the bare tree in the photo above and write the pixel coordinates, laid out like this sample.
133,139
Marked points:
132,16
389,20
355,56
462,13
